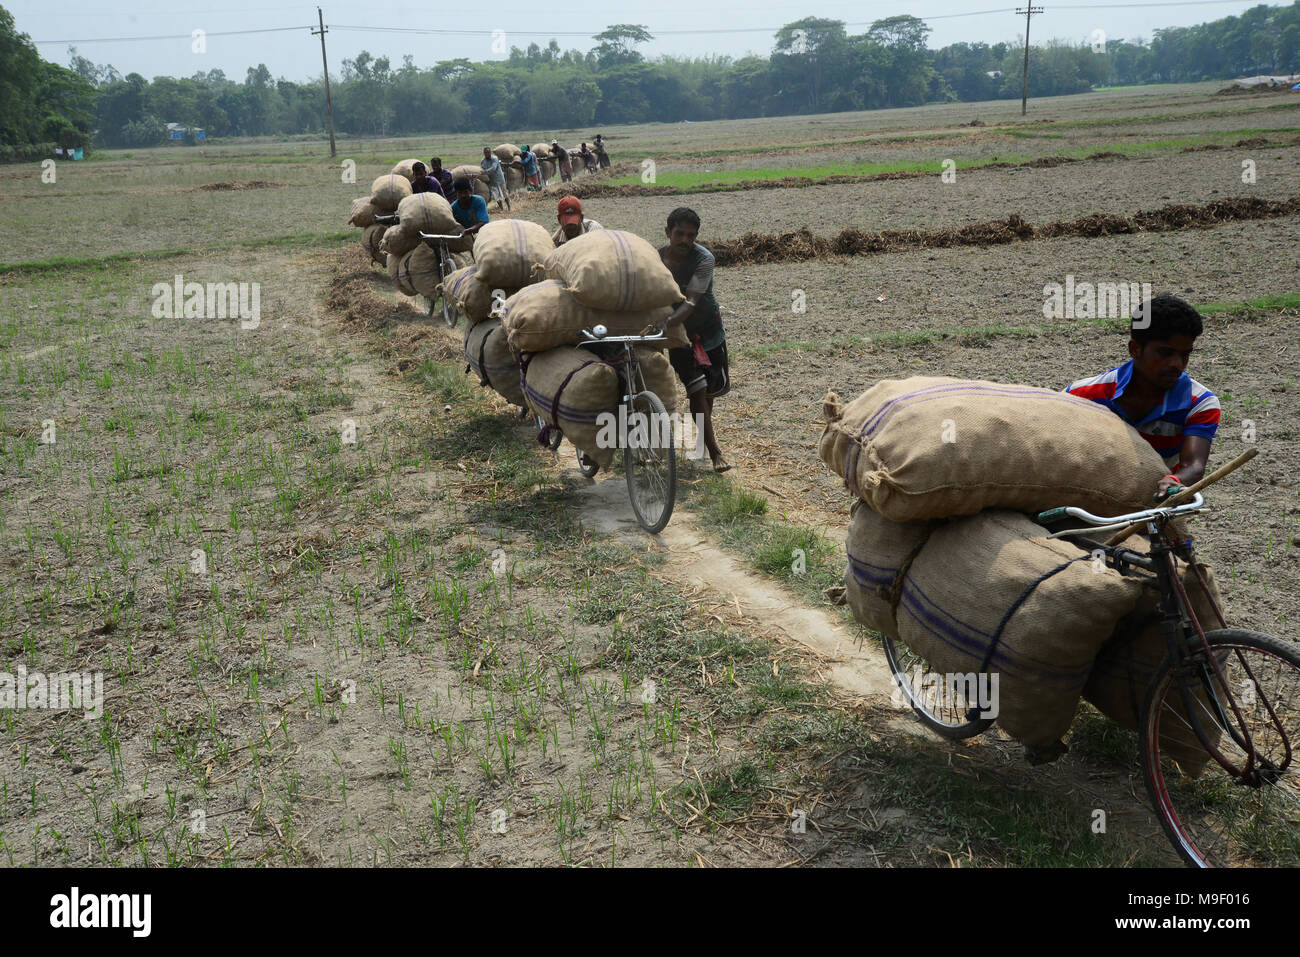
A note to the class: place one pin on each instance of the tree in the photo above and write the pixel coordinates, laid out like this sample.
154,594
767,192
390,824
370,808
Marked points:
618,42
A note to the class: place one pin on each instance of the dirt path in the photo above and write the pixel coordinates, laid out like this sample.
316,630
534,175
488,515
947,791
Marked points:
859,672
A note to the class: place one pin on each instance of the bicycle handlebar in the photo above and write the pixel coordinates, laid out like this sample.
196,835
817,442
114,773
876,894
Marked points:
1102,524
441,236
657,337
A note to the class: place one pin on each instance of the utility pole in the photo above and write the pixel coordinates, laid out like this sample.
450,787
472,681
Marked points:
329,104
1028,12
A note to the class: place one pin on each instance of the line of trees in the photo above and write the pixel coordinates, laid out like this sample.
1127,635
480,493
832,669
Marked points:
815,67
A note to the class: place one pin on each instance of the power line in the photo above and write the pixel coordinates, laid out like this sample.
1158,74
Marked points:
179,36
420,31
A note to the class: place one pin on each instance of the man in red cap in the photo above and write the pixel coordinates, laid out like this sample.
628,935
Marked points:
572,222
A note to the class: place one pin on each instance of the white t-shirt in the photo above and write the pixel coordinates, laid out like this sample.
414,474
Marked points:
560,238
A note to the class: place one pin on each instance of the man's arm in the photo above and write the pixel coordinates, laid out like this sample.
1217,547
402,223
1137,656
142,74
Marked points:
1191,463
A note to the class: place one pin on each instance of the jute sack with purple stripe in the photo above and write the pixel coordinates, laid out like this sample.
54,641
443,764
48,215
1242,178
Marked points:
387,191
992,594
403,277
473,299
926,447
370,242
398,241
1127,662
492,359
612,269
426,213
506,251
570,388
879,553
546,316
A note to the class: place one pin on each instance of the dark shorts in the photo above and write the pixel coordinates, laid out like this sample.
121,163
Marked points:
715,379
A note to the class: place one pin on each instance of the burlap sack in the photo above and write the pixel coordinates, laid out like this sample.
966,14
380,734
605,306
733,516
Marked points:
571,388
506,152
478,180
407,168
507,250
398,241
426,213
612,269
659,375
879,553
1126,664
403,277
491,359
926,447
371,242
473,299
392,262
1042,604
361,214
421,271
387,191
544,316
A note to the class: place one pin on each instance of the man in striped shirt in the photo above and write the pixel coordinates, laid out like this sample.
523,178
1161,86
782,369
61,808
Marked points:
1153,392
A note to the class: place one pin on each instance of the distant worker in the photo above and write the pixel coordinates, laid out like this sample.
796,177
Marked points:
572,223
599,148
563,160
423,183
528,163
496,179
588,158
470,211
702,366
443,177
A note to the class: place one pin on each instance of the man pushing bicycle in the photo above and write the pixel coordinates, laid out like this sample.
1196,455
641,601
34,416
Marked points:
1153,392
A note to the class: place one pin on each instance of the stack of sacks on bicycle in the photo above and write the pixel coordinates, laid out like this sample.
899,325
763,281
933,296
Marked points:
608,278
941,555
505,252
1127,662
362,215
411,262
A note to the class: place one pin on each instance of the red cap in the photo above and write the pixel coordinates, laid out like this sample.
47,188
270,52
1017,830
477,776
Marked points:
570,210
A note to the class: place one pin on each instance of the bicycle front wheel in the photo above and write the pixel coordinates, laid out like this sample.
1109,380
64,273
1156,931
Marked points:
650,461
942,710
1214,816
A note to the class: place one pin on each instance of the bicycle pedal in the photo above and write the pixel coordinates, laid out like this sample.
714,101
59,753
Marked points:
1046,755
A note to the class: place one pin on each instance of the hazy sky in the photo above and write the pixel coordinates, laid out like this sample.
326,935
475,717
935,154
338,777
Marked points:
729,27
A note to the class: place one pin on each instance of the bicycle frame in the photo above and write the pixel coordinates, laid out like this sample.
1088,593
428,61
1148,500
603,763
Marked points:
1184,634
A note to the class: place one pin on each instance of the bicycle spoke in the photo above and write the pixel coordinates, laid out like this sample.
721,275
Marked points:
1249,812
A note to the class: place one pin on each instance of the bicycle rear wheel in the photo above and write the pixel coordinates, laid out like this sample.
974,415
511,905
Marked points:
943,713
446,267
650,461
1213,817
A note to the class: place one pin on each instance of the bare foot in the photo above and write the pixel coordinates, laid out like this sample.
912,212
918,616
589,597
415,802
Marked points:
720,464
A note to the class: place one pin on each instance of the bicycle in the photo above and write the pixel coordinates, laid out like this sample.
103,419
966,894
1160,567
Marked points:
446,266
649,453
1230,693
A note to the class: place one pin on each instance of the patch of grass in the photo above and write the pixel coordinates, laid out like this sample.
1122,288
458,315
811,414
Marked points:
1288,300
798,556
103,263
1019,824
727,793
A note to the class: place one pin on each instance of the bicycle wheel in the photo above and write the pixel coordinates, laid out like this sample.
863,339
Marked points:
944,714
445,268
587,465
1213,817
650,461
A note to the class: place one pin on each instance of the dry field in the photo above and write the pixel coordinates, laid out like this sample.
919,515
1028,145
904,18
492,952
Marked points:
437,644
